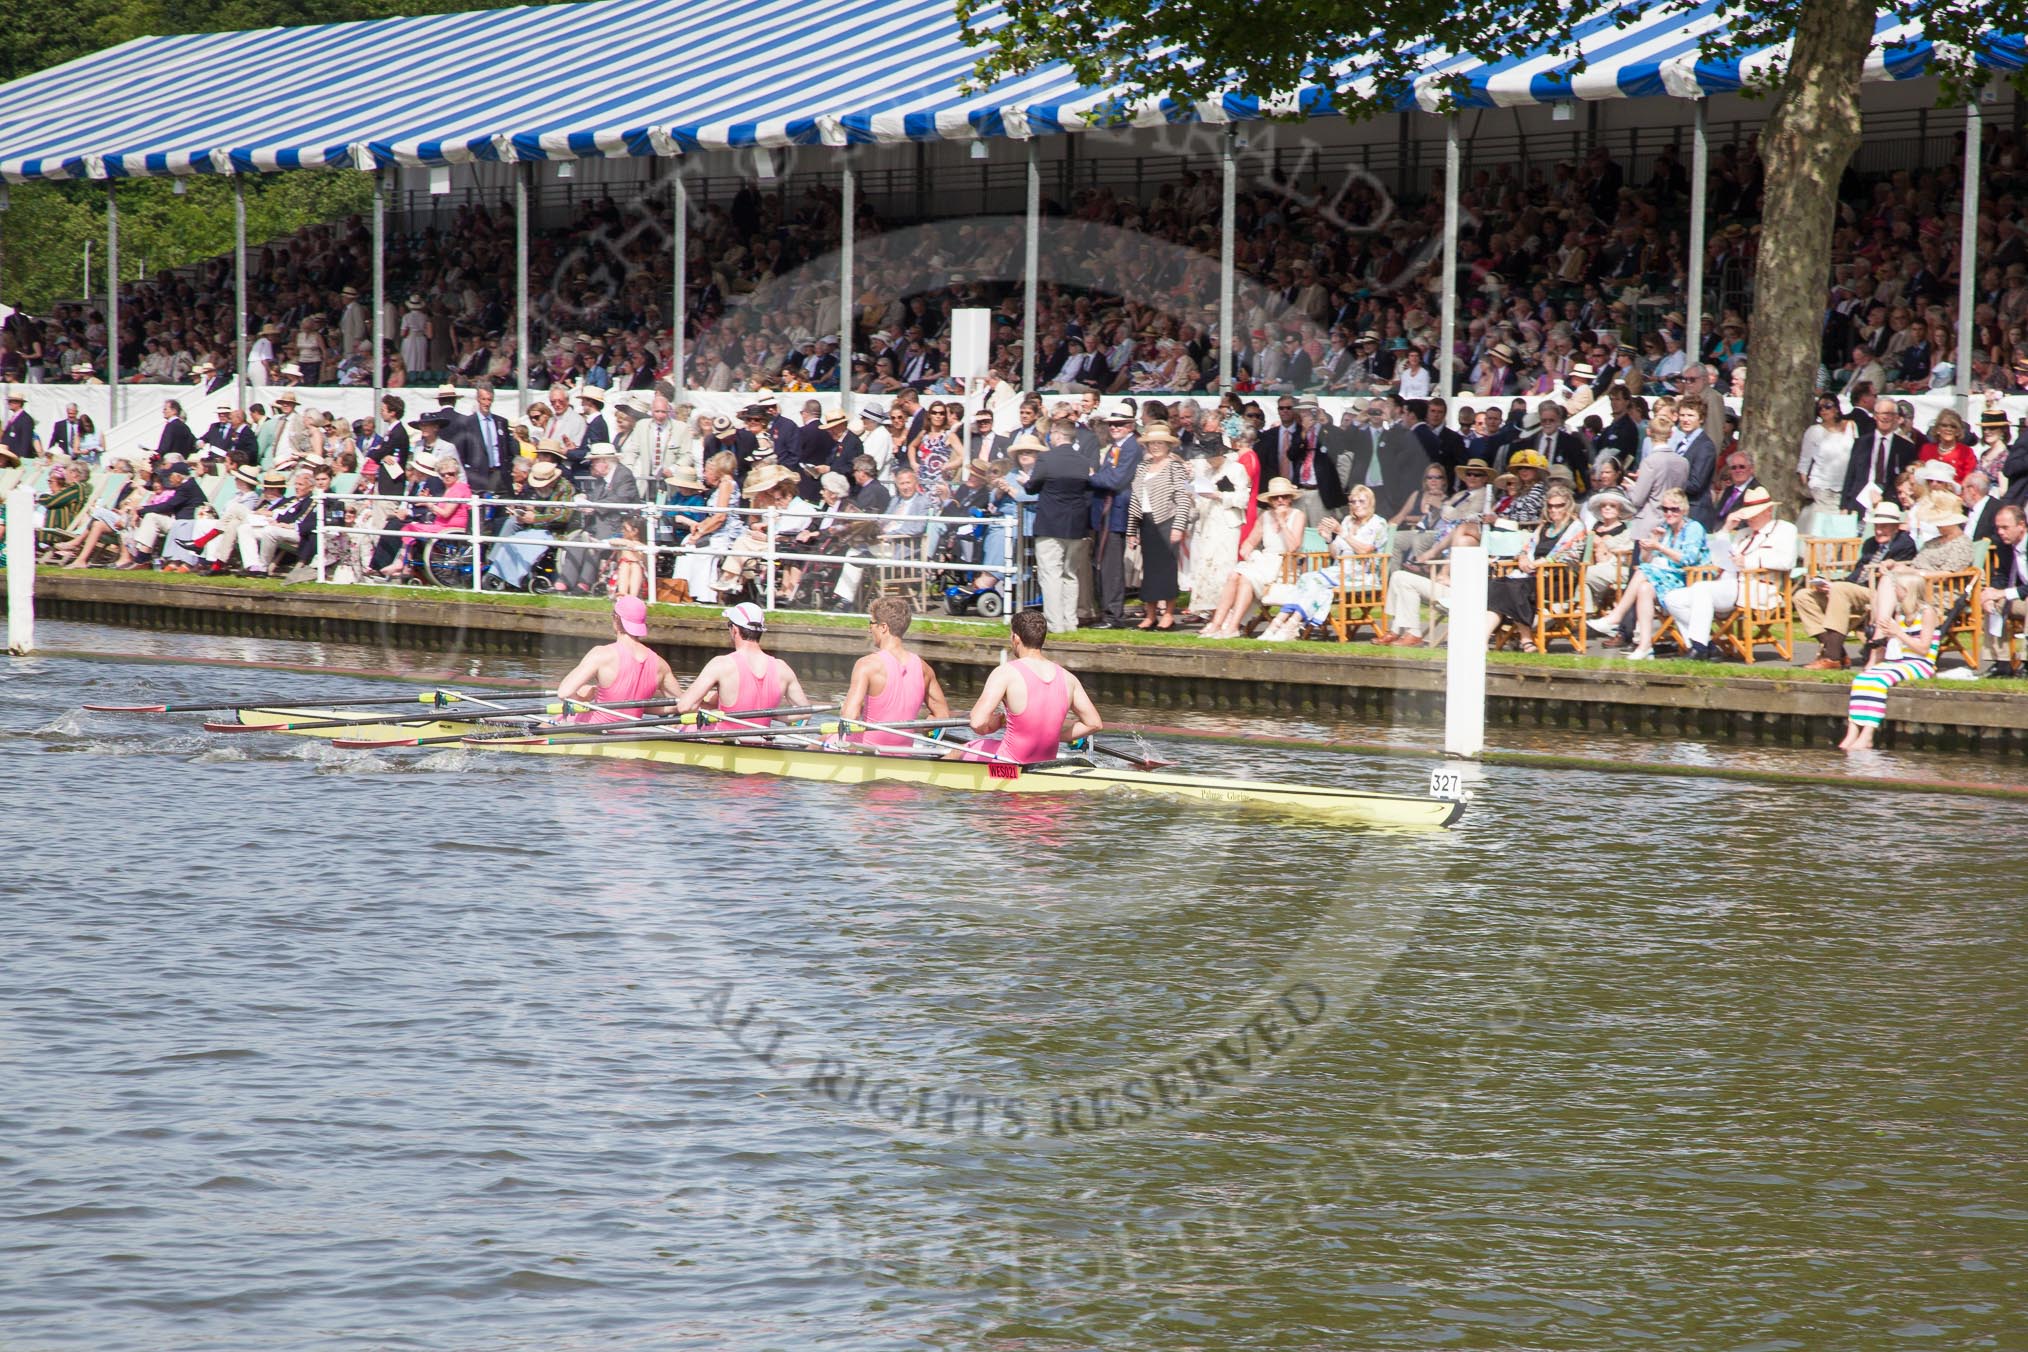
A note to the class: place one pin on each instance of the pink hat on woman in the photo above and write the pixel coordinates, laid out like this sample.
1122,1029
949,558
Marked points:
632,613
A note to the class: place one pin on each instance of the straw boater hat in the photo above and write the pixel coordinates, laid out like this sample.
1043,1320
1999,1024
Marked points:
285,397
551,446
248,475
1158,432
835,418
1501,352
415,301
1885,512
1506,483
602,450
1755,499
543,473
591,392
1938,511
1278,487
1475,463
447,391
274,478
763,478
1027,441
681,476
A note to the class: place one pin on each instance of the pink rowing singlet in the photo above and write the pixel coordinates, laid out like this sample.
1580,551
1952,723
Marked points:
907,679
636,680
1035,733
761,682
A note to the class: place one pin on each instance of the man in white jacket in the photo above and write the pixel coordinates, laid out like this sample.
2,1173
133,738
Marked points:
1752,540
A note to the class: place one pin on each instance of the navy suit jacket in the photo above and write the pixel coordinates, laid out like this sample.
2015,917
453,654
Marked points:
1061,483
1111,483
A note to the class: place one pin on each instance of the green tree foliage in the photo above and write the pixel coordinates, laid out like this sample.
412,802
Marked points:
43,232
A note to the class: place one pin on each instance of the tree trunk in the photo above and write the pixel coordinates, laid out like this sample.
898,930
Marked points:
1808,141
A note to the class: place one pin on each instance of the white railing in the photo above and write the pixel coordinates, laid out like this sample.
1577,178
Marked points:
889,555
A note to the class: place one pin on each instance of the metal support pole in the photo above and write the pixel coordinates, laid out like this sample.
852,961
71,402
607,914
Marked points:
679,205
1031,269
1447,331
240,299
1228,217
848,207
379,289
1700,170
112,316
521,173
1968,254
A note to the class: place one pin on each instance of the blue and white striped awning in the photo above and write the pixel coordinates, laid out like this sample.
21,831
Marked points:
1658,54
661,77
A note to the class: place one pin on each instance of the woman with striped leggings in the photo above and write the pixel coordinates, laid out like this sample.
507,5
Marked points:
1911,656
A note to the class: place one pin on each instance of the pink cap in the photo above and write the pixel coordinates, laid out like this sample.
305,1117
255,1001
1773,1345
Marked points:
632,613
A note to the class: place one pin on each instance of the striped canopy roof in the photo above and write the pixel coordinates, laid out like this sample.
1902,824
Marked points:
648,77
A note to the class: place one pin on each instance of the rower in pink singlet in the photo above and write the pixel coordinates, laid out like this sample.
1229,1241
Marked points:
898,702
1036,732
746,679
759,682
639,676
639,673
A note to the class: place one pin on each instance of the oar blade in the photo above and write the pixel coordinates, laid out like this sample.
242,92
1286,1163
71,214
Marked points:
245,727
127,708
372,743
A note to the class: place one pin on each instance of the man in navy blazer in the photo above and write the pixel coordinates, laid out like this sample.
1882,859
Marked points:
1061,483
1111,493
1880,452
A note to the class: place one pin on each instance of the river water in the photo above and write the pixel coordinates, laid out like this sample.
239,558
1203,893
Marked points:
316,1049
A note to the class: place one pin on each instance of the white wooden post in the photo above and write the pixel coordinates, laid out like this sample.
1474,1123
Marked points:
21,570
1465,659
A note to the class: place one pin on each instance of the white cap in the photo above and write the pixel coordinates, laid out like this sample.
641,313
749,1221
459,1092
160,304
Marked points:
746,615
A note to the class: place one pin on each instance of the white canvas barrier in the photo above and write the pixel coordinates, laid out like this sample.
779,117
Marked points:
141,405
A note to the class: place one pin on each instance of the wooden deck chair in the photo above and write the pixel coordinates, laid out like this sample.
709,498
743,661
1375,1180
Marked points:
1665,623
1942,590
900,578
1560,598
1830,557
1750,625
1362,596
1315,554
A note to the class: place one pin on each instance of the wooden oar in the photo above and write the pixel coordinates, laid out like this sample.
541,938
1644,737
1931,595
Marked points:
1138,762
388,719
601,729
582,737
428,697
494,711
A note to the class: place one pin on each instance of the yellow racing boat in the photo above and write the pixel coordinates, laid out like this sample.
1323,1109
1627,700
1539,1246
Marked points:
861,767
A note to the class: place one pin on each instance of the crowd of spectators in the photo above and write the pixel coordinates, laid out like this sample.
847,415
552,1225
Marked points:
1586,426
1572,267
1222,516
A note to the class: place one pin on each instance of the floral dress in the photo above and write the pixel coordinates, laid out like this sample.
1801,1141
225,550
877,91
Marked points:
1666,574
